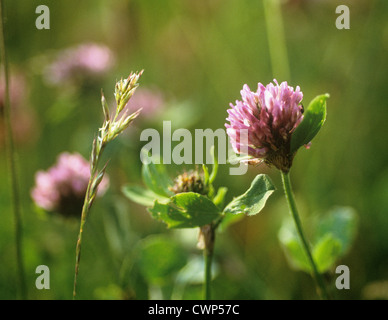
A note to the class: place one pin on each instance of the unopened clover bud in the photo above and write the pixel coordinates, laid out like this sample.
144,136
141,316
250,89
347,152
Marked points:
191,181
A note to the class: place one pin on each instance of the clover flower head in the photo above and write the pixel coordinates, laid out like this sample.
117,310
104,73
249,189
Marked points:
62,187
268,116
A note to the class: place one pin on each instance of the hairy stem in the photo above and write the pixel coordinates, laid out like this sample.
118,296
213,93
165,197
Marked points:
11,155
208,255
208,234
295,215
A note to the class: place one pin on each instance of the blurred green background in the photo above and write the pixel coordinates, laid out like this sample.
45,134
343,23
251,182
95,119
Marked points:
199,54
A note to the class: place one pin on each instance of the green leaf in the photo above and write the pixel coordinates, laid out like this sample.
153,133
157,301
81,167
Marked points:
326,252
292,246
314,118
142,195
254,199
193,271
219,198
334,235
342,223
156,178
186,210
160,258
193,275
228,218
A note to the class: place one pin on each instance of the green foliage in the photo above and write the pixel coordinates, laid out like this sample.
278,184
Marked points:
186,210
159,258
326,252
313,120
191,210
294,252
156,178
254,199
334,234
141,195
219,198
215,166
192,272
342,223
183,210
249,203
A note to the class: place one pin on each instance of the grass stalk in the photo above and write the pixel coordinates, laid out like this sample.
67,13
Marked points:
11,160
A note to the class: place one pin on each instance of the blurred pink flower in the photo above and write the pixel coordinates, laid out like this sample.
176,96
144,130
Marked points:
85,60
151,101
22,117
270,115
62,188
17,90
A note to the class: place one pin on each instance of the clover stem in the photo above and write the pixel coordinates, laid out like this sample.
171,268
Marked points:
295,215
208,255
208,234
